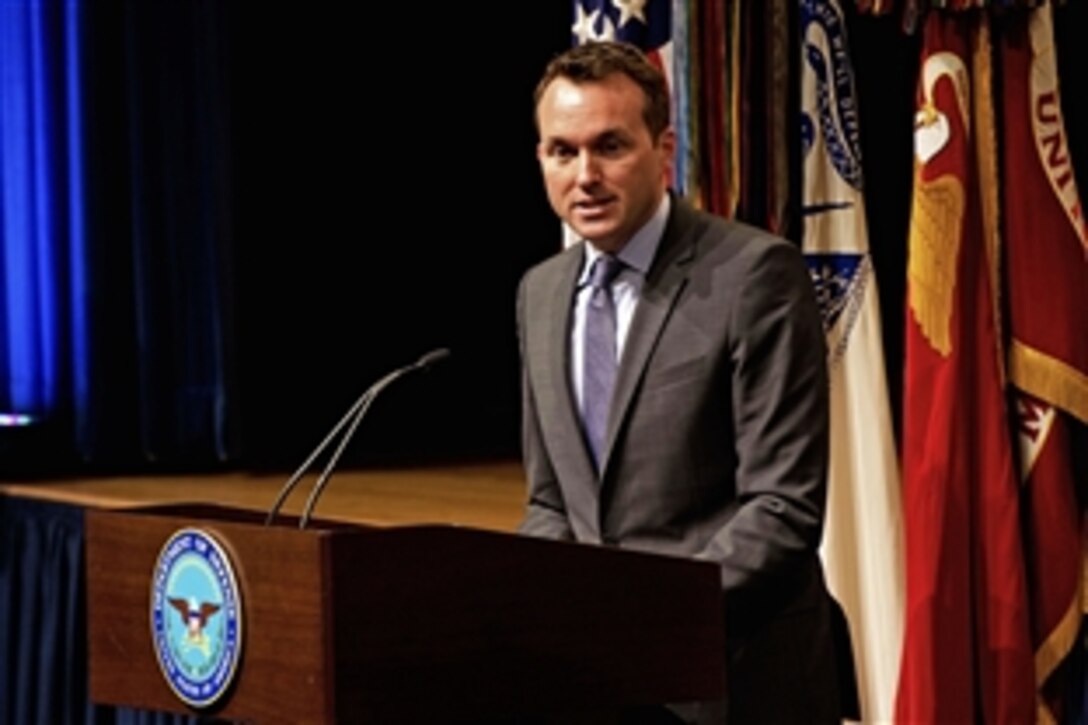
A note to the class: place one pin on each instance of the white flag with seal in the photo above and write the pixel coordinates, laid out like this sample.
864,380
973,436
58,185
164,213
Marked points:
863,541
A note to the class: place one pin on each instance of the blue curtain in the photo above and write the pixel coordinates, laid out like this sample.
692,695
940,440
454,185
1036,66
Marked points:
42,233
116,234
43,650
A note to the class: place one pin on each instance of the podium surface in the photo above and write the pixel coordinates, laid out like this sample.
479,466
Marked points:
414,623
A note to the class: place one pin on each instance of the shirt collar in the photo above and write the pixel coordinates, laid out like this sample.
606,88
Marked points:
638,253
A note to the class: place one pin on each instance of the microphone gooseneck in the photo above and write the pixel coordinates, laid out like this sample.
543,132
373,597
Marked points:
431,358
352,418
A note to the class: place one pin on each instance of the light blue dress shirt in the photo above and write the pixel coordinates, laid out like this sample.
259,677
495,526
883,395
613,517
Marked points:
637,255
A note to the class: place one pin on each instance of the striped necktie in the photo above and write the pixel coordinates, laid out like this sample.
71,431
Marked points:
599,353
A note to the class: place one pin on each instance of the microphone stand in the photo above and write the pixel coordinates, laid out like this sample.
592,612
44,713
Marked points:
354,415
319,485
361,403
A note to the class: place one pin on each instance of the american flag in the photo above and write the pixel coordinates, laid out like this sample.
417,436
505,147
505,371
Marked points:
645,23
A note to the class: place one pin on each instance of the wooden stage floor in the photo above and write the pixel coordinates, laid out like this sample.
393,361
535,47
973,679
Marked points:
485,495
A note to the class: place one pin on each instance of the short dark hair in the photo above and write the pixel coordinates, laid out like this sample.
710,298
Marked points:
596,60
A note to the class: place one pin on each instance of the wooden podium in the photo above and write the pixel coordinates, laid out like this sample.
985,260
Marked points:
428,624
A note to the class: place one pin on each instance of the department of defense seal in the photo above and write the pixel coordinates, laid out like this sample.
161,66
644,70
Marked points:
196,617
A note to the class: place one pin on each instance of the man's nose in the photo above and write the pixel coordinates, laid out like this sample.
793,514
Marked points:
589,170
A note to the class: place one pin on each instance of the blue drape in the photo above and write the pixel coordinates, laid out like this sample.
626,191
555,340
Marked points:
179,114
42,636
42,234
116,233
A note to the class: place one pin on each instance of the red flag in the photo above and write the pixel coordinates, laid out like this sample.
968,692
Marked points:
966,654
1046,244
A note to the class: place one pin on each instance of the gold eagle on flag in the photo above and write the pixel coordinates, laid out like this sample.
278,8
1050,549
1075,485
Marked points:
937,207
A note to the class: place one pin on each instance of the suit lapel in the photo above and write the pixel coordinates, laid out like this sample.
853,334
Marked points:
571,457
662,287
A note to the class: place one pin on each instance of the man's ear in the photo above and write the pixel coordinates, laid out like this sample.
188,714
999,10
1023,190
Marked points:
667,141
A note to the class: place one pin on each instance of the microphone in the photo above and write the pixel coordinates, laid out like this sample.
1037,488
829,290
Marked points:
354,415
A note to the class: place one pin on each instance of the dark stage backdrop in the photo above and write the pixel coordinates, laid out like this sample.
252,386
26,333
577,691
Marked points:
388,201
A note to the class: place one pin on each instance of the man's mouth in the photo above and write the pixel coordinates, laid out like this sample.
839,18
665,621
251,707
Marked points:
589,207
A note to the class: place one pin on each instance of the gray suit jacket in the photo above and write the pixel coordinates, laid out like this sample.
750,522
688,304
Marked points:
716,445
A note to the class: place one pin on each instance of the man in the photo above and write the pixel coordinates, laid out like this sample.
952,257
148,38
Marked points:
713,438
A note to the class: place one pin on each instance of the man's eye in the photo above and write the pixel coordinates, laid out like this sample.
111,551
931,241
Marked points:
611,147
562,152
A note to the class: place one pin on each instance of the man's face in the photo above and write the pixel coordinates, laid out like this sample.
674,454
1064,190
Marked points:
604,172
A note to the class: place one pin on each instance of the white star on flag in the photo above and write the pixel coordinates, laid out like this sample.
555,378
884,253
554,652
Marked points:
631,9
583,25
